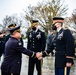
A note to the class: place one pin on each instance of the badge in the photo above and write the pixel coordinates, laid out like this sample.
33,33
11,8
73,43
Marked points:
38,36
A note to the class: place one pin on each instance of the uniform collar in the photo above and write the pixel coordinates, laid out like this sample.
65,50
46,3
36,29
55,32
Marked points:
13,37
59,29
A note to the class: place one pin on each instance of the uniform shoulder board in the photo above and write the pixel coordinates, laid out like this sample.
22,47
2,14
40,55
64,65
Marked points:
42,30
66,29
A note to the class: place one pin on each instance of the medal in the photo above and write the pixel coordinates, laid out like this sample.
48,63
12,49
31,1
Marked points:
38,36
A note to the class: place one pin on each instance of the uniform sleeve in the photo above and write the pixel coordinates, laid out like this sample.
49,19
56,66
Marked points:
28,41
43,41
69,46
23,50
69,43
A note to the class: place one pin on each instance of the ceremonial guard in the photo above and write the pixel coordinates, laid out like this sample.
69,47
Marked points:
13,53
63,43
36,42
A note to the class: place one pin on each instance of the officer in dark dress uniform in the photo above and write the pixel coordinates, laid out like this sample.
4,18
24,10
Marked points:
36,43
63,44
13,53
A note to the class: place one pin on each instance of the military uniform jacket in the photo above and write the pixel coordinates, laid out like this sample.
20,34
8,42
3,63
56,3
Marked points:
36,41
63,43
12,58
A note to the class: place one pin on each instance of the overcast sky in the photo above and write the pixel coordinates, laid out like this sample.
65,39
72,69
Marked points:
9,7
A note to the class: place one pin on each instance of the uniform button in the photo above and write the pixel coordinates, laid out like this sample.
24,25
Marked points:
33,47
33,41
18,62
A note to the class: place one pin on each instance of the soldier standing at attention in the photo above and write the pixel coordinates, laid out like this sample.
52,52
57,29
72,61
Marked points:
13,53
37,43
63,44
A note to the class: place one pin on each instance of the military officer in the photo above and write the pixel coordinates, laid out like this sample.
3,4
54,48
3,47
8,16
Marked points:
36,42
13,48
63,44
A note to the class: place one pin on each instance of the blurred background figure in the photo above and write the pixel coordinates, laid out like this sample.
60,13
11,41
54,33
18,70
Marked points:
50,38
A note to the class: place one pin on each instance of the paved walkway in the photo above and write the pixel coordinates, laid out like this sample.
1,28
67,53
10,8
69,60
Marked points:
47,68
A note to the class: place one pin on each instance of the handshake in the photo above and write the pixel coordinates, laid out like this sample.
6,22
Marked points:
39,55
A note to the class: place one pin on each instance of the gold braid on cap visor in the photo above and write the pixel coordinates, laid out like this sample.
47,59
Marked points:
12,26
33,24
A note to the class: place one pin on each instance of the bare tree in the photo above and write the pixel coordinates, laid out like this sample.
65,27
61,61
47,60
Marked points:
11,19
74,16
69,23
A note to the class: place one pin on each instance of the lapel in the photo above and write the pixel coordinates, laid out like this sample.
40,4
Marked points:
60,31
60,34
